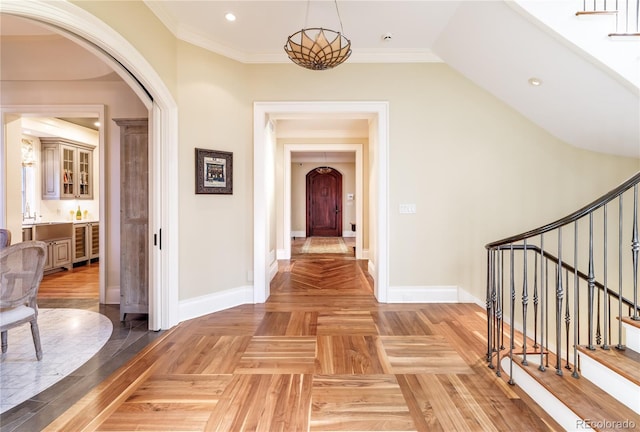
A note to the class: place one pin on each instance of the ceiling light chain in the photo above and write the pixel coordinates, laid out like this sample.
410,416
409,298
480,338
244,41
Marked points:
318,48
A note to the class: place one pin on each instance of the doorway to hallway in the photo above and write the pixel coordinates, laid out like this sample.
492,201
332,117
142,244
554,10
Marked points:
324,202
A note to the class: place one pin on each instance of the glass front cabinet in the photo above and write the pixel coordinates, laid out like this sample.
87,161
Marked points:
67,169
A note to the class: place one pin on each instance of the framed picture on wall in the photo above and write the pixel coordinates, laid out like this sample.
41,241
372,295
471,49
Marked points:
214,172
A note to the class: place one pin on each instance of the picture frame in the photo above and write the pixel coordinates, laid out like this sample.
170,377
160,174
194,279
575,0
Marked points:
214,172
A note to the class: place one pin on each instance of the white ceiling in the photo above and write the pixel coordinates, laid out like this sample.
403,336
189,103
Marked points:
260,31
495,44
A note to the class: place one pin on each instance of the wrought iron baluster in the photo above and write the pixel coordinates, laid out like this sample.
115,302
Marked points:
598,331
502,285
525,303
535,301
620,346
567,318
576,302
489,304
559,297
591,280
512,308
499,305
546,267
635,247
543,321
606,314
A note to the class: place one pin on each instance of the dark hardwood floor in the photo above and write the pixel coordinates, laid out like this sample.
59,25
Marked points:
320,354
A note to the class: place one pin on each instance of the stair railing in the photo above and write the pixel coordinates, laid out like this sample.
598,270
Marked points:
535,284
626,12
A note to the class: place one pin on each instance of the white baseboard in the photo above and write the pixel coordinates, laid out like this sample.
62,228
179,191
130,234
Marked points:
273,270
552,405
429,294
303,234
465,297
371,268
112,295
215,302
282,255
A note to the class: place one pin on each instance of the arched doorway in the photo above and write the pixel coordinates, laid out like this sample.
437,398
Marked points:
88,31
324,202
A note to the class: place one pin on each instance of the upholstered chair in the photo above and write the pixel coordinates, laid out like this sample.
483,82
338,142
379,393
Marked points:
5,238
21,269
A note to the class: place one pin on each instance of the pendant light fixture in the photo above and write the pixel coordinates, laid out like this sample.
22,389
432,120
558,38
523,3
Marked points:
317,48
324,169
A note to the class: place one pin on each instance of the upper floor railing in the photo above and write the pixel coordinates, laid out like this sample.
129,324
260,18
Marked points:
565,284
626,12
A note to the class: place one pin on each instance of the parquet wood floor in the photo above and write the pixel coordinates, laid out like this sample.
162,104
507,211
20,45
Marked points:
320,355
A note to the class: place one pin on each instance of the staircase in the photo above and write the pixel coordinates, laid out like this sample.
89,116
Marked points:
625,12
606,30
562,310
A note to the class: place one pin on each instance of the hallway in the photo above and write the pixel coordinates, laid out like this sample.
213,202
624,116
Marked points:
320,354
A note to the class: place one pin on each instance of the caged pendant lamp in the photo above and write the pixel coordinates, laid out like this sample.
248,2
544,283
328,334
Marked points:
318,48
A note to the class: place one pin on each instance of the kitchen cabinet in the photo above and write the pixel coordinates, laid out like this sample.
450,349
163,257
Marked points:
94,240
58,255
27,233
57,237
86,244
67,169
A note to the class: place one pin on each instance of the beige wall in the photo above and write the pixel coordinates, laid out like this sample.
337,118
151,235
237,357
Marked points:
216,231
136,23
476,169
463,157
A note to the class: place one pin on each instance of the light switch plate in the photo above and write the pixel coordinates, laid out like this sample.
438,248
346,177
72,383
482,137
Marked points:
407,208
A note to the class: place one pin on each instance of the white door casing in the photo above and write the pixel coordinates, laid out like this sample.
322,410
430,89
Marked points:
377,114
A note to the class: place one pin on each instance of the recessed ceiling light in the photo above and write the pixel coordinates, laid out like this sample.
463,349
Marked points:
230,16
97,124
536,82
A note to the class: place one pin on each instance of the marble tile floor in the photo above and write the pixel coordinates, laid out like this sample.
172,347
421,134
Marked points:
69,338
126,340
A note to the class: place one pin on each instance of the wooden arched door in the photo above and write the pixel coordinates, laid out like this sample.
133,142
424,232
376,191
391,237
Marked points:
324,203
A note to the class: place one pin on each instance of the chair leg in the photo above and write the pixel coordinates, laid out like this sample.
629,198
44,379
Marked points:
4,341
36,339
